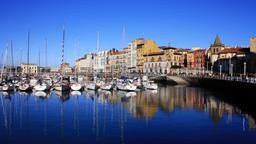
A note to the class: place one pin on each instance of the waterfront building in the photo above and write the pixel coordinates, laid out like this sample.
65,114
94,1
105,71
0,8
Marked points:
199,59
132,57
183,57
85,64
253,45
190,60
175,58
169,54
29,68
65,68
117,61
143,47
232,60
155,63
100,62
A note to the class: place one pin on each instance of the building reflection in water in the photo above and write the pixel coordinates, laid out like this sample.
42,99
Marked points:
106,107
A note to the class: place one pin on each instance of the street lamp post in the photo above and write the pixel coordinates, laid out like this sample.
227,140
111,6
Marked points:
211,69
244,68
207,67
232,70
220,69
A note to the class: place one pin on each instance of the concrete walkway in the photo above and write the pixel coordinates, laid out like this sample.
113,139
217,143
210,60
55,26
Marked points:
178,80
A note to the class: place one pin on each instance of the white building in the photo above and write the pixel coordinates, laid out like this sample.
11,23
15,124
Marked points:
132,57
100,61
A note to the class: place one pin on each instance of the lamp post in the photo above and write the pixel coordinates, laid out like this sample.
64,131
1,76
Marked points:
207,67
220,69
244,68
232,70
212,70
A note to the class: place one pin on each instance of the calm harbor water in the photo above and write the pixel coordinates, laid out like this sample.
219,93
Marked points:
170,115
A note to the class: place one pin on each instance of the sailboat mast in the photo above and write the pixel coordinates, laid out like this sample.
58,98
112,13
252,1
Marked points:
122,46
46,45
39,64
12,62
28,70
97,52
4,60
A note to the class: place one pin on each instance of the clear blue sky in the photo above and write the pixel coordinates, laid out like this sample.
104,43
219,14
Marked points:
183,23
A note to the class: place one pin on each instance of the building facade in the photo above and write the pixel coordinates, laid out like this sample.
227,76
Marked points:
29,68
118,61
232,61
65,68
85,64
199,59
143,47
155,63
100,62
253,45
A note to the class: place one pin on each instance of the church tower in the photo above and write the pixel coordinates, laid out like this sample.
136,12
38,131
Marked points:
215,48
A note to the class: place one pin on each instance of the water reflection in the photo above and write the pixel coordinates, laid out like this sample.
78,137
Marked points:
93,114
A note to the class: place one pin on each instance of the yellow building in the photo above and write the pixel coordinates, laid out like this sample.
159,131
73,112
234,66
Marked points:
29,68
142,48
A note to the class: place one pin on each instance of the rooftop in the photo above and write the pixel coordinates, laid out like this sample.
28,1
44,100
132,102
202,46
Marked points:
154,54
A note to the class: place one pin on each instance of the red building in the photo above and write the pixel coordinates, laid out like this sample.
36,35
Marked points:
199,58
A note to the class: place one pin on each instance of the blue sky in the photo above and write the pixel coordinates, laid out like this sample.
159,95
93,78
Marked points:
182,23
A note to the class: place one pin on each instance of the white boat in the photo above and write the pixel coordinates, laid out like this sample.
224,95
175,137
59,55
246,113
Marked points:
91,86
40,94
131,94
75,93
24,87
126,87
150,85
106,86
8,87
137,82
33,82
76,86
41,87
61,87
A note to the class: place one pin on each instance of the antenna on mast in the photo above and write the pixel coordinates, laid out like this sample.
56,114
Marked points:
63,39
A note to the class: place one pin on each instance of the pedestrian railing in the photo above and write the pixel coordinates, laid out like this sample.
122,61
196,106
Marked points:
226,78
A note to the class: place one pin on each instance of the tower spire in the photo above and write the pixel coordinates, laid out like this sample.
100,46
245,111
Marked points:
217,41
